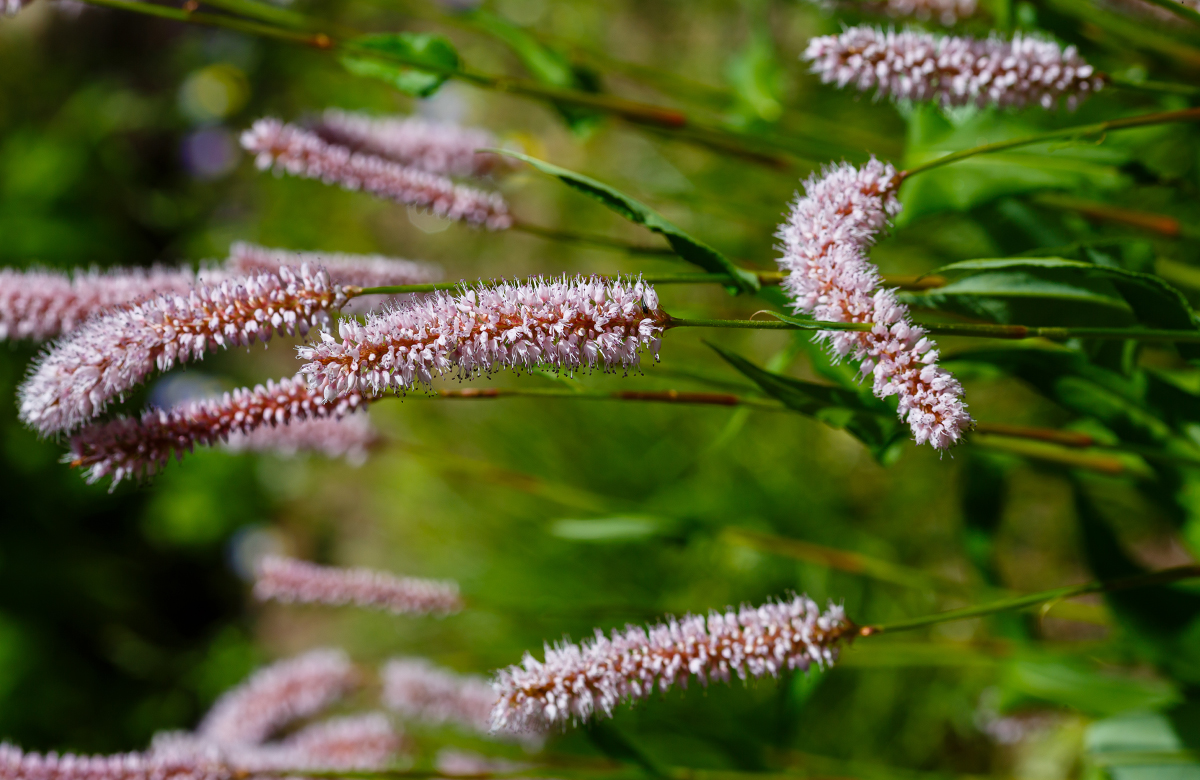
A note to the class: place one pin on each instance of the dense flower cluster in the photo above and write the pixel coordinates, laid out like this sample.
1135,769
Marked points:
278,695
277,415
954,71
15,764
824,243
578,681
437,147
40,304
417,689
564,323
293,581
289,149
83,372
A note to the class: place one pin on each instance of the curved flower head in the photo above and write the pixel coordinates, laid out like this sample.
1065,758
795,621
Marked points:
437,147
292,581
278,415
81,374
954,70
824,244
564,323
575,682
277,695
289,149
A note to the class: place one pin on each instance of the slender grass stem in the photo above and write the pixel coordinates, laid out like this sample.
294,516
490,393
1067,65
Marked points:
1077,132
1161,224
604,242
1012,332
659,396
1162,577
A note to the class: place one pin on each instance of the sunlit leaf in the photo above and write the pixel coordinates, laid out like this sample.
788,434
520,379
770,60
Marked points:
400,58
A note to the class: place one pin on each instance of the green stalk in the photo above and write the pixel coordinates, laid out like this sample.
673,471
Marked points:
660,396
968,330
1020,602
1077,132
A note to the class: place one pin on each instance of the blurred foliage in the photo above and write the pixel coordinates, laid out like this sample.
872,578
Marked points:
122,614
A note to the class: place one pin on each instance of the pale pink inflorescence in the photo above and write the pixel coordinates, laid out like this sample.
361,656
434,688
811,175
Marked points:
824,243
277,695
419,690
12,7
343,268
111,354
954,70
563,323
348,438
437,147
40,304
299,152
16,764
275,415
293,581
947,12
576,682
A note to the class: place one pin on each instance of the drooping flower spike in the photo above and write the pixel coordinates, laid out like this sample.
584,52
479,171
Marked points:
437,147
292,150
278,415
824,243
292,581
345,269
83,372
954,70
576,682
564,323
278,695
419,690
16,764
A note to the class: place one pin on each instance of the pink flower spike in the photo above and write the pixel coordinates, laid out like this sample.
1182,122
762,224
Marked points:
289,149
576,682
355,742
824,244
277,695
436,147
292,581
284,415
952,70
946,12
419,690
15,764
563,323
39,304
77,378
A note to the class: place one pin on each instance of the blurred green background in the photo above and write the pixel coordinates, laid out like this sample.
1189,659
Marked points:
127,613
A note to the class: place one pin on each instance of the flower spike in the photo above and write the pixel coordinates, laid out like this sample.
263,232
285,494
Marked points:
953,70
417,689
292,581
289,149
579,681
83,372
824,243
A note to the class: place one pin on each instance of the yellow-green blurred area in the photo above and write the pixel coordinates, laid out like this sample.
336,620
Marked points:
127,613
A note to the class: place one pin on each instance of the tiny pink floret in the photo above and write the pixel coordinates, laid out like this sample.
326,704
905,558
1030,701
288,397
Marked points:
824,243
953,70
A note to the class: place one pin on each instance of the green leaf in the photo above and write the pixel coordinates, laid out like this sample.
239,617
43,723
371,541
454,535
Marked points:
1054,291
401,55
755,76
871,421
691,249
546,65
1140,746
1082,687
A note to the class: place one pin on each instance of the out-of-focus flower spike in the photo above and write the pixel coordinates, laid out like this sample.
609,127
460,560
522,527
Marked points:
419,690
344,269
437,147
824,243
77,378
40,304
277,695
16,764
292,581
563,323
354,742
575,682
298,152
947,12
349,438
954,70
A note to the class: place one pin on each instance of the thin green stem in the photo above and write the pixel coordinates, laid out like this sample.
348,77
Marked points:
1162,577
1077,132
953,329
1154,87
